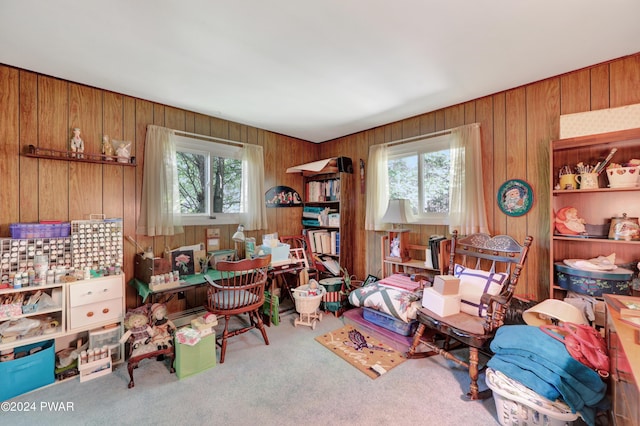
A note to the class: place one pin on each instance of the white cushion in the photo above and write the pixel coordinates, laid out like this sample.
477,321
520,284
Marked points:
475,282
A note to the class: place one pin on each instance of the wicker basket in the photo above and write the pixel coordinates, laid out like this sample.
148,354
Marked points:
307,304
515,410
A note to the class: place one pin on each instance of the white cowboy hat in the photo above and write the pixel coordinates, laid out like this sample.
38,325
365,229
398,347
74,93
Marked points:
550,309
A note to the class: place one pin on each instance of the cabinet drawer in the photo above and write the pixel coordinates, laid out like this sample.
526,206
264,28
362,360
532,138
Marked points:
85,315
95,290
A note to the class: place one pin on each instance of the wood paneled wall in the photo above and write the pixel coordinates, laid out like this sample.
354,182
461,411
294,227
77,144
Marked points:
40,110
517,127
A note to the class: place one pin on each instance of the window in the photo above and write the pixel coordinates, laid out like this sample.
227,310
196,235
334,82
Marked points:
420,171
210,181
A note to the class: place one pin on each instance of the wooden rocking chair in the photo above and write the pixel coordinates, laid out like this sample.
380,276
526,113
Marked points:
492,263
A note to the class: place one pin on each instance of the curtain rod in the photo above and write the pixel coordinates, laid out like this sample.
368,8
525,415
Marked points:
208,138
427,135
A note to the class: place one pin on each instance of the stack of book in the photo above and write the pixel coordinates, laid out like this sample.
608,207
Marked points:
325,190
324,241
627,306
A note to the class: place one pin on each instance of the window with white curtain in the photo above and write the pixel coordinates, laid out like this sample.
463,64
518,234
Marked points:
210,181
420,172
441,175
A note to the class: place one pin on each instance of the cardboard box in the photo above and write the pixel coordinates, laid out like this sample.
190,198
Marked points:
279,253
194,359
446,284
145,268
440,304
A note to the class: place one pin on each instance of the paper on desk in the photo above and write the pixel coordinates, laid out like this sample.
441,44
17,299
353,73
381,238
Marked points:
194,247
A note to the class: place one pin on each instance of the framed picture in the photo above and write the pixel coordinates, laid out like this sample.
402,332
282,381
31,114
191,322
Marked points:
183,262
515,197
370,279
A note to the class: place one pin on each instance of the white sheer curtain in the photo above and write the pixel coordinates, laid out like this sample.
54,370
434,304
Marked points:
160,204
377,188
254,216
467,212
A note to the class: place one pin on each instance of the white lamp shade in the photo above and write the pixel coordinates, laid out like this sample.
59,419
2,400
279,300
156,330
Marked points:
239,235
398,211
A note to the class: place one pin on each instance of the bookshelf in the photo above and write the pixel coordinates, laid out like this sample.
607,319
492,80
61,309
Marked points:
327,219
415,265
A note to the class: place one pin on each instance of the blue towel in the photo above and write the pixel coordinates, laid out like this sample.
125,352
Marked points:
541,363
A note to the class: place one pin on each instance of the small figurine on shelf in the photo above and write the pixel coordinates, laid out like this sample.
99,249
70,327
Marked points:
123,151
77,144
107,149
567,222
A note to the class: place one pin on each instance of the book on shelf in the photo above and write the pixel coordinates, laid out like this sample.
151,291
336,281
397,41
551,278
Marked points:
325,190
334,235
331,265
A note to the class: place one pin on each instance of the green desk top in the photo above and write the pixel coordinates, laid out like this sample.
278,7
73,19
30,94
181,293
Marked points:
196,279
189,281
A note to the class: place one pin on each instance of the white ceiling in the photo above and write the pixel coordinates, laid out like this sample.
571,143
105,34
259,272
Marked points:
313,70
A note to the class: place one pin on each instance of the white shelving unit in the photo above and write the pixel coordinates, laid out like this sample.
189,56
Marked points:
56,325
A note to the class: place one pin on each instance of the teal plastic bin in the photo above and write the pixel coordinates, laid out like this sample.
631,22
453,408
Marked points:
28,372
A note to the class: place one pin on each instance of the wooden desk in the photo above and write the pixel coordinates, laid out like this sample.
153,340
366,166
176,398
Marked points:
623,343
276,278
191,283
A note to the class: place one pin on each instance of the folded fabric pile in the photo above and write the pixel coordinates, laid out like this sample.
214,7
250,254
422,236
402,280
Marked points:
526,354
401,304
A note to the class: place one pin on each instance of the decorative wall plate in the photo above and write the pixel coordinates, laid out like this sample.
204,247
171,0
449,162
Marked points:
282,196
515,197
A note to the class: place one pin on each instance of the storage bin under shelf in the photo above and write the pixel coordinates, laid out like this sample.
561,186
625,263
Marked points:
97,368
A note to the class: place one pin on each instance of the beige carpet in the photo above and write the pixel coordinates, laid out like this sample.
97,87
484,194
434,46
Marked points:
361,350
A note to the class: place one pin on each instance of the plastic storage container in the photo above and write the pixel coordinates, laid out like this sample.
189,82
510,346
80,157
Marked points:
390,323
39,230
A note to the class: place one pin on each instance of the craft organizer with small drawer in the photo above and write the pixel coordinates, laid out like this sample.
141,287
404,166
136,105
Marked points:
96,243
19,255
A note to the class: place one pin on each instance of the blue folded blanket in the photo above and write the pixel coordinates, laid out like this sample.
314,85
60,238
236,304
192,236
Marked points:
541,363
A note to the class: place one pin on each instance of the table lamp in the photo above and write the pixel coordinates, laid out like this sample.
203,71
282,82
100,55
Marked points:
398,212
238,237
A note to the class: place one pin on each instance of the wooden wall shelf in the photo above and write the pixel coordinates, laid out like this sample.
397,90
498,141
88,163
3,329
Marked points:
52,154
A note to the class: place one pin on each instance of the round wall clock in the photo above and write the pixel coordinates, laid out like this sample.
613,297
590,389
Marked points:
515,197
